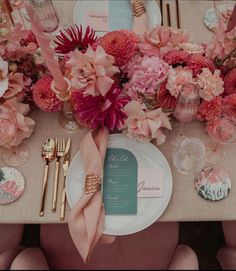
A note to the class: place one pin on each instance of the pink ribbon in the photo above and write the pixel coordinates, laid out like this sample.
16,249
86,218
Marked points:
87,217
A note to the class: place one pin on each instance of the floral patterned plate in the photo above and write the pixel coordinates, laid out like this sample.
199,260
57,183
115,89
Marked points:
12,185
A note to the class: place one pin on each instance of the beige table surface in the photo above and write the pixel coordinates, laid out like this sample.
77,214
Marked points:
185,203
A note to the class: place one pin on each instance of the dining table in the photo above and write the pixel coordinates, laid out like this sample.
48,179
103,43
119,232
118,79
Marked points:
185,204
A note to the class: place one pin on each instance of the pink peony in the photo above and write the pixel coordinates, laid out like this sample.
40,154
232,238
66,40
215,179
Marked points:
92,71
146,74
44,97
197,62
176,57
211,110
230,81
15,85
120,44
222,129
14,126
144,125
99,111
229,106
177,79
164,99
211,85
178,36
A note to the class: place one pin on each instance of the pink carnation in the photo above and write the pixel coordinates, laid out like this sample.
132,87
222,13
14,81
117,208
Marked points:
229,106
146,73
120,44
197,62
210,110
100,111
230,81
44,97
176,57
211,84
177,79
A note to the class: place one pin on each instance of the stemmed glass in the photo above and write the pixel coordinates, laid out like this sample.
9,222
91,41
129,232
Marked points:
18,5
186,109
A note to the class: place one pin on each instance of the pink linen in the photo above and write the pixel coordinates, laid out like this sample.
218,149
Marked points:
86,220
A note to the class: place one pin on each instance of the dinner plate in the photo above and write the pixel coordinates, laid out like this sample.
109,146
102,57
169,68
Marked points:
120,13
148,209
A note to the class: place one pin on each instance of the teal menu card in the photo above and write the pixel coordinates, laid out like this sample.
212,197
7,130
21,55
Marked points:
120,182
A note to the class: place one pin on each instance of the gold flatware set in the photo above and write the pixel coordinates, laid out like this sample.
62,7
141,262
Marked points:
51,150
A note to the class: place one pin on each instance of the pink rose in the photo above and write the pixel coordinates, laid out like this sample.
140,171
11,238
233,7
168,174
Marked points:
144,125
92,71
14,126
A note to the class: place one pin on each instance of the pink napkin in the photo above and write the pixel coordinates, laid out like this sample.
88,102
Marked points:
86,220
140,24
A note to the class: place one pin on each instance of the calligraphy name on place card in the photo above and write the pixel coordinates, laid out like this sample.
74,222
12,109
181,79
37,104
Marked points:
98,20
150,182
120,182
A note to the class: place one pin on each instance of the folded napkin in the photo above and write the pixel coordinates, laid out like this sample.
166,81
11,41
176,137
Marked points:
140,22
86,220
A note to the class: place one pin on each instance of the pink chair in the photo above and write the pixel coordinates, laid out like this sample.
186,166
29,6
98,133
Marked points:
10,239
227,254
153,248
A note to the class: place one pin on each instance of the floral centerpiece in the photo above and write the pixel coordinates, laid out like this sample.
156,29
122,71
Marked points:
123,81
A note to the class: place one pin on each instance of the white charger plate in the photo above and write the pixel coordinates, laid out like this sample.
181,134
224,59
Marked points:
120,12
148,209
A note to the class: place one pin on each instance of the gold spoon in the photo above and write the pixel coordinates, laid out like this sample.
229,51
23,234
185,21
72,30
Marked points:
48,154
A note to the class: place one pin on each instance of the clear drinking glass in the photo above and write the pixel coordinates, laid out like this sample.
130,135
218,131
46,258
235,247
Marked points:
47,14
189,156
16,156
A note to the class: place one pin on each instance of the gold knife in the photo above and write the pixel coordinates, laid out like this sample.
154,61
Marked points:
65,167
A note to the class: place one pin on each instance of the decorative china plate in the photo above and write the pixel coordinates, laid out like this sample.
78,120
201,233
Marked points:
148,209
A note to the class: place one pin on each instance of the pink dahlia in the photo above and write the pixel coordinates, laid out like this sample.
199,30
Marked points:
197,62
230,81
146,74
229,106
176,57
72,38
164,99
44,97
120,44
211,110
100,111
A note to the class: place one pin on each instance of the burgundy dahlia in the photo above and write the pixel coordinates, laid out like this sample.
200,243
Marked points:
72,38
99,111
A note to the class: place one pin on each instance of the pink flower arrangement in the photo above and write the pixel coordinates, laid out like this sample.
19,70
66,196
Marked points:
44,97
211,85
92,71
14,126
230,81
100,111
120,44
144,125
145,73
15,85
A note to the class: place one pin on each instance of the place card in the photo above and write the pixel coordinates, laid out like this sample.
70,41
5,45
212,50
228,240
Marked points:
98,20
120,182
150,182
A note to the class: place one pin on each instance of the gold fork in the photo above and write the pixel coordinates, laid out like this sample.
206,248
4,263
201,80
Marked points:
60,150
